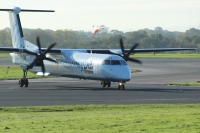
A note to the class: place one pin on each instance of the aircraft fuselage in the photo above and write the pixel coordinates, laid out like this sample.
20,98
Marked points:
88,66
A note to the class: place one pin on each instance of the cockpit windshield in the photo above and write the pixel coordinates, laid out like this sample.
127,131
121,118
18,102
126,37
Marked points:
106,62
122,62
113,62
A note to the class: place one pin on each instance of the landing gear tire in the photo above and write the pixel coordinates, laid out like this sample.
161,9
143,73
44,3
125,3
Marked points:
105,83
108,84
26,83
121,86
23,82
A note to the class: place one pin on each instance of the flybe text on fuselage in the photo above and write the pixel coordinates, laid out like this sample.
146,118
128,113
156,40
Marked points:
83,66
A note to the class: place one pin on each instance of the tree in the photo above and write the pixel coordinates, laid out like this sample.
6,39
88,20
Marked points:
5,38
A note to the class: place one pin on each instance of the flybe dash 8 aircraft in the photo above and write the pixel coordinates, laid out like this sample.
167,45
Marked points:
105,65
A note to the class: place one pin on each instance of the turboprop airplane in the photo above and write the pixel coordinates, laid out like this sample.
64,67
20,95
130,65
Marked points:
105,65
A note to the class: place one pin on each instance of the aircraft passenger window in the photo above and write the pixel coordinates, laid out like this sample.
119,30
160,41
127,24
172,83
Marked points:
106,62
123,62
115,62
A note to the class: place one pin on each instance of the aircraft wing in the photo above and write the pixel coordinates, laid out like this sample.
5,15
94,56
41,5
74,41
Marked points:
118,51
160,49
98,51
11,49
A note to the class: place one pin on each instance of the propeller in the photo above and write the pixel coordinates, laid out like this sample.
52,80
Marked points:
126,55
40,56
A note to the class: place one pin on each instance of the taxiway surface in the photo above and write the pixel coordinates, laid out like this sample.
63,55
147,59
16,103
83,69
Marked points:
146,87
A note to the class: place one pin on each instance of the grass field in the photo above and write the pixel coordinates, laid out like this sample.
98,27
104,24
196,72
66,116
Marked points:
184,84
167,56
5,55
15,72
161,118
135,71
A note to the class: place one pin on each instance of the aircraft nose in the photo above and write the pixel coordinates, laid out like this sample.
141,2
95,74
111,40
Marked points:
117,73
125,74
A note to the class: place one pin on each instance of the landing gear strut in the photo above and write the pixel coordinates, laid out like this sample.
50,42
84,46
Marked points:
23,82
105,83
121,86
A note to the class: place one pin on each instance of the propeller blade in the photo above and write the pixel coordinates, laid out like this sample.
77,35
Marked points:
42,66
39,45
51,60
49,48
41,56
32,64
131,50
121,45
135,60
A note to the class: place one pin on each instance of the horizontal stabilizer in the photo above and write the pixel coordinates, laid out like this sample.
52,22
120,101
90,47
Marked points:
17,9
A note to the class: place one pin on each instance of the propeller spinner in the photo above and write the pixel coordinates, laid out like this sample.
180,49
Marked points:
40,56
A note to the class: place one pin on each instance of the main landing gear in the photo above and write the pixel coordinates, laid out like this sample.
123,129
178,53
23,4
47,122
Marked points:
108,84
23,82
121,86
105,83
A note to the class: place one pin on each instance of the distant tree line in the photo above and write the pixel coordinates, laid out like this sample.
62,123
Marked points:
147,38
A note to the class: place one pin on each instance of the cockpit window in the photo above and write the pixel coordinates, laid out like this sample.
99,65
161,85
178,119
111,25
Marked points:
115,62
106,62
123,62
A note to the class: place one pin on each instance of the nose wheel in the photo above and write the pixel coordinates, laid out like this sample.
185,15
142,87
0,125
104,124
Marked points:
121,86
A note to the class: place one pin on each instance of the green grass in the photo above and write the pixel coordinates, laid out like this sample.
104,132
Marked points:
102,118
184,84
15,72
167,56
135,71
5,55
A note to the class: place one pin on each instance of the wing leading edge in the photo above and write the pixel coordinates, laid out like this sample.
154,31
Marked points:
10,49
98,51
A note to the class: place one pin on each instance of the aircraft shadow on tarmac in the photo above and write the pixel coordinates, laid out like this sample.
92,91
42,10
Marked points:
137,89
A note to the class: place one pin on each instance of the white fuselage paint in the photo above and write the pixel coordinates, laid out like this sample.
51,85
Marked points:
77,64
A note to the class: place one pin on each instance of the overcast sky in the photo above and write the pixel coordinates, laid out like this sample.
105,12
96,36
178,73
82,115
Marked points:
124,15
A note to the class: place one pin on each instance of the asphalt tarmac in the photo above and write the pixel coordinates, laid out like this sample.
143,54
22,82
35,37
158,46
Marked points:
146,87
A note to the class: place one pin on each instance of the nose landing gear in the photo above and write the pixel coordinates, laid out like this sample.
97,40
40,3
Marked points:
108,84
121,86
